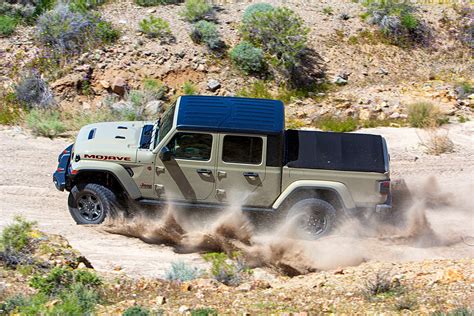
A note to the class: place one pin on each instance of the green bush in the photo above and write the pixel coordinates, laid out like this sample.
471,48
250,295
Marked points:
45,123
205,311
154,88
180,271
398,21
150,3
248,58
60,279
7,25
281,34
255,8
207,33
155,27
337,125
76,300
136,310
257,90
195,10
189,88
423,115
13,303
65,32
221,270
16,236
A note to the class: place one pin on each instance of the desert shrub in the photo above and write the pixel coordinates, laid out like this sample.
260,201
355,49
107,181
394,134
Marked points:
77,300
424,114
189,88
465,25
150,3
195,10
65,31
180,271
7,25
328,10
34,305
207,33
406,303
13,303
337,125
45,123
85,5
10,112
33,92
464,89
155,27
136,310
294,124
60,279
258,89
204,311
255,8
248,58
438,143
281,34
221,269
382,284
398,21
460,311
16,236
154,88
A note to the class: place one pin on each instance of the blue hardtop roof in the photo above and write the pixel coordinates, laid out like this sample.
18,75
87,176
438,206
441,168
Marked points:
231,114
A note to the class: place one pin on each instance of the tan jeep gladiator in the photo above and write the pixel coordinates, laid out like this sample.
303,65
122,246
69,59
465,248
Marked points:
208,152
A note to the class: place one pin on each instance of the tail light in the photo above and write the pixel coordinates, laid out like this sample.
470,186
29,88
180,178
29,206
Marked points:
384,187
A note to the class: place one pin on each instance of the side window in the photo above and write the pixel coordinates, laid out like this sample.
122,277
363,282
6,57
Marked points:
191,146
242,149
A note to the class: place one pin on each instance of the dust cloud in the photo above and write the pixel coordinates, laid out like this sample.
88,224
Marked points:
429,222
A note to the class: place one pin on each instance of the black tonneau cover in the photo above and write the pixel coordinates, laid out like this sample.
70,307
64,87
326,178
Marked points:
335,151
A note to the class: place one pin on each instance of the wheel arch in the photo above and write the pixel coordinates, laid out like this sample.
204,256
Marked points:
113,176
333,192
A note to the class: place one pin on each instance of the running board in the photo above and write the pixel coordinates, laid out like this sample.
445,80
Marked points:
201,205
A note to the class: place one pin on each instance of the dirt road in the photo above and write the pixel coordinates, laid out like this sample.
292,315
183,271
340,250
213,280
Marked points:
26,189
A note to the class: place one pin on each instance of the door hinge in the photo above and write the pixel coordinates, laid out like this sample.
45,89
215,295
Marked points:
160,169
159,187
220,192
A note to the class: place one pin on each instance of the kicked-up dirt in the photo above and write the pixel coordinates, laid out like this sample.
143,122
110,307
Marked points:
439,215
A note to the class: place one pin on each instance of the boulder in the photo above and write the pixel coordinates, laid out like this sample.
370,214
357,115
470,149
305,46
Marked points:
213,85
119,86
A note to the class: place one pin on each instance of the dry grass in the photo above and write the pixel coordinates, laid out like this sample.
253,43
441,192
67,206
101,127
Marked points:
437,142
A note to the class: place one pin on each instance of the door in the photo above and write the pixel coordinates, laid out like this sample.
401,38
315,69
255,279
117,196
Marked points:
241,170
189,175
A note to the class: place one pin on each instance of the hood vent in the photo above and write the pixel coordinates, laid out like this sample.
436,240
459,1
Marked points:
92,133
120,137
122,127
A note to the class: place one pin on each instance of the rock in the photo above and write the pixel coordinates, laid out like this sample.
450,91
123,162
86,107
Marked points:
201,68
119,86
183,309
213,85
150,11
185,287
160,300
105,84
153,108
122,106
81,265
340,80
245,287
365,114
383,71
394,115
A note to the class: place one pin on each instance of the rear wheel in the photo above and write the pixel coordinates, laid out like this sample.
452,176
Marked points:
312,218
91,203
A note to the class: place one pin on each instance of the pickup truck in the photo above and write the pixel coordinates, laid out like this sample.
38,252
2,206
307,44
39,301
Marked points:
209,152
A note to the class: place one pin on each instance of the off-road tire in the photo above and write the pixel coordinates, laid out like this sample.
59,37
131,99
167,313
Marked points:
313,218
99,195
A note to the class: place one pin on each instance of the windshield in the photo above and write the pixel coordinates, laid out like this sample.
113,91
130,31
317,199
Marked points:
165,124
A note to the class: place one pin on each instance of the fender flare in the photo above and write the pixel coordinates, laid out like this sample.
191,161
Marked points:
339,188
114,169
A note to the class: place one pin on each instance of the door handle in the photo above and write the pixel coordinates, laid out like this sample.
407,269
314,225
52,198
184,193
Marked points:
204,171
251,174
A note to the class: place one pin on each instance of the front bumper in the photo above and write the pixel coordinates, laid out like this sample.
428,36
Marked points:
59,176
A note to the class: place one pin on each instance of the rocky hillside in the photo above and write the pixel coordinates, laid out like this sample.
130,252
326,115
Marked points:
360,73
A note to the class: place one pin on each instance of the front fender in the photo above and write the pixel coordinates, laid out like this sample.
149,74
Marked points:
117,170
337,187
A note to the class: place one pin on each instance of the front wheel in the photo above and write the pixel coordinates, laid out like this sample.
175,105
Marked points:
91,203
312,218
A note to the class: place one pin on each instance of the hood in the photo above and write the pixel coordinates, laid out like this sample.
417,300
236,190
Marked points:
115,141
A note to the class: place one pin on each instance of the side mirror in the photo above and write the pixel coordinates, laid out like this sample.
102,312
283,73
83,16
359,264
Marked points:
165,154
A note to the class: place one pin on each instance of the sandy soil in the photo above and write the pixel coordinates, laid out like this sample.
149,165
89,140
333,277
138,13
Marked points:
26,189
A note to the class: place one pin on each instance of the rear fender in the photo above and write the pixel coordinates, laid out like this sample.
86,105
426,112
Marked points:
338,188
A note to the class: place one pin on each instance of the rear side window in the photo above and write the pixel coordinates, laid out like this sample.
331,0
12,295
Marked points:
242,149
191,146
